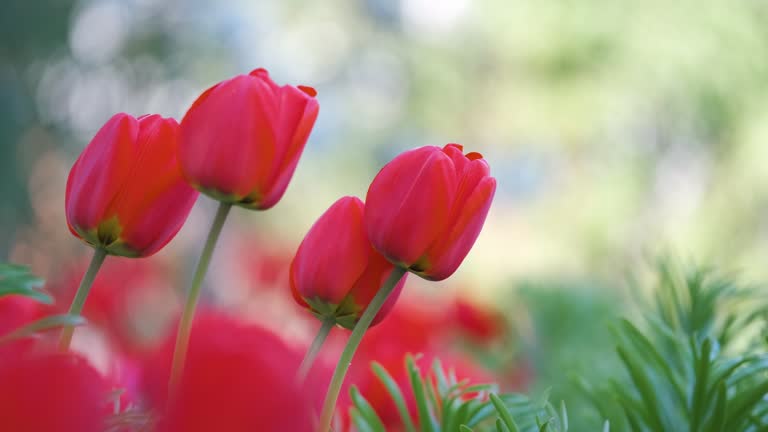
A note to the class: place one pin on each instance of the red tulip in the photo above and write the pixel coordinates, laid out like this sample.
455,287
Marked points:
237,377
52,393
242,138
125,193
336,273
427,206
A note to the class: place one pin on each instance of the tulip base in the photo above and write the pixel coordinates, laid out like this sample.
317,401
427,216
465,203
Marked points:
352,343
81,295
314,349
185,324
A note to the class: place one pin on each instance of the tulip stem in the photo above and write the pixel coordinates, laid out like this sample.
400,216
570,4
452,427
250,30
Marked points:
352,343
314,349
82,293
185,324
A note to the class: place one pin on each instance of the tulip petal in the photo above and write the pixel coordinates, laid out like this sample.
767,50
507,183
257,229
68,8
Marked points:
298,113
333,255
408,203
445,256
454,151
153,205
218,135
371,282
100,171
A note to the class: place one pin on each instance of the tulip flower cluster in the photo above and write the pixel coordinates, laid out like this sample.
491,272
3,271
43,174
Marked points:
130,192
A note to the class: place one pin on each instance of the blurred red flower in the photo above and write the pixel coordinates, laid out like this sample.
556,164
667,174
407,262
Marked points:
264,263
480,324
52,393
16,311
131,300
242,138
336,273
125,193
427,206
238,377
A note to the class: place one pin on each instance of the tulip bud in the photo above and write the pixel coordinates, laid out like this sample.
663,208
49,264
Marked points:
125,193
427,206
242,138
336,273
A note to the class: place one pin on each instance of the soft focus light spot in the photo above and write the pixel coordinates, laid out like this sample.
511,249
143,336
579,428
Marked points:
311,51
94,97
53,91
98,32
377,89
682,175
433,16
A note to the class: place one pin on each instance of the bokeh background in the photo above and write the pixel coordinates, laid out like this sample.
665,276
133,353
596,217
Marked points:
617,130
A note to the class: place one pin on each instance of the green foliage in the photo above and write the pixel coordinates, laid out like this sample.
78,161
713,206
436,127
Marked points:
16,279
563,331
445,404
697,363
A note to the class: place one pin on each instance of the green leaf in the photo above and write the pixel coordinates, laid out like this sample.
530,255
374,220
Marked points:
432,393
442,380
645,387
451,410
743,404
366,413
395,393
43,324
643,345
500,426
16,279
360,422
700,386
463,428
504,414
426,423
564,416
717,421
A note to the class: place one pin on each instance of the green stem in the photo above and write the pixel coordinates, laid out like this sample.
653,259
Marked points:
82,293
185,324
314,349
354,341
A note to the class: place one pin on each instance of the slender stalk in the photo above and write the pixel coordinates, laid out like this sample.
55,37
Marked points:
82,293
185,324
314,349
354,341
